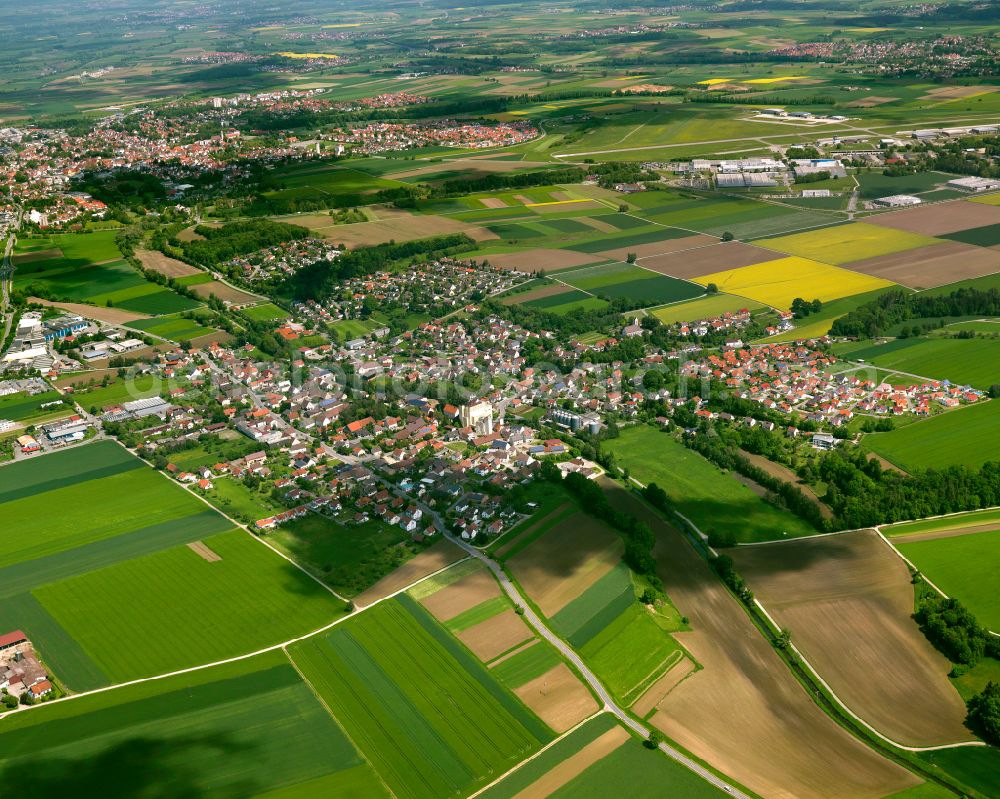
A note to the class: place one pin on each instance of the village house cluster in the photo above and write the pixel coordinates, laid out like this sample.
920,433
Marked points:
380,137
21,673
795,378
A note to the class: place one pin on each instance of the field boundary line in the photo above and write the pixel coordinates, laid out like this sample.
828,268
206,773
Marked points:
545,748
851,713
923,576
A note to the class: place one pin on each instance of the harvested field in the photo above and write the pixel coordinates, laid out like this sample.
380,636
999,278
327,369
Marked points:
954,92
664,247
458,597
871,102
566,561
496,635
38,255
188,234
927,267
201,549
441,554
851,594
535,294
933,220
786,475
542,259
224,292
744,712
165,265
493,202
113,316
401,227
558,698
597,224
706,260
576,764
663,686
909,538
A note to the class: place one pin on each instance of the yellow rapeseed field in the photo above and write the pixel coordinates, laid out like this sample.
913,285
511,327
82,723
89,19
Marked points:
775,80
845,244
777,283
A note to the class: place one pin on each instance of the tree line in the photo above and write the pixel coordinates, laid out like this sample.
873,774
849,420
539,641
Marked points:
879,315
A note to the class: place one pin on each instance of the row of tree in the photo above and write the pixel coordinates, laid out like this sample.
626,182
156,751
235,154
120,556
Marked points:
876,317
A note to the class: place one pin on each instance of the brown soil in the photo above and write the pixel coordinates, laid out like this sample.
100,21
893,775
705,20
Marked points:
523,199
224,292
566,561
113,316
707,260
433,559
458,597
785,474
204,551
597,224
400,227
496,635
935,534
542,259
656,248
548,517
871,102
753,485
171,267
220,337
847,600
663,686
188,234
886,464
558,698
954,92
933,220
933,265
575,765
744,712
536,294
493,202
40,255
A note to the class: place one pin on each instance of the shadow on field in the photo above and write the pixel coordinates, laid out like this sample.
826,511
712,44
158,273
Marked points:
802,554
140,768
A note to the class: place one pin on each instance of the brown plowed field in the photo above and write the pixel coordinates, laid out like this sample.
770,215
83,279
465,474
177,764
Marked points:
744,712
566,561
40,255
847,600
558,698
113,316
171,267
930,266
224,292
707,260
427,562
663,686
401,227
458,597
493,637
656,248
542,259
933,220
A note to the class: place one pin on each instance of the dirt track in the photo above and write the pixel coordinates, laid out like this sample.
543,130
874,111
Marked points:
847,600
744,712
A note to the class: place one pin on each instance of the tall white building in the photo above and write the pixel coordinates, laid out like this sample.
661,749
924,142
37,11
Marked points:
478,416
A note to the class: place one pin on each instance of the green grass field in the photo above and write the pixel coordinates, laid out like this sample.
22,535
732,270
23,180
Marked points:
713,500
624,280
117,391
174,328
971,362
952,522
91,510
966,436
963,567
267,312
347,557
977,767
175,609
236,730
22,407
431,719
597,607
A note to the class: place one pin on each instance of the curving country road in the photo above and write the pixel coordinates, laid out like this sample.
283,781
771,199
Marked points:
609,703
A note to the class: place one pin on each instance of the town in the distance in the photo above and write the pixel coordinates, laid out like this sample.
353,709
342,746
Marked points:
500,401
